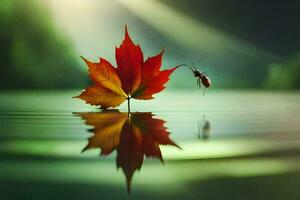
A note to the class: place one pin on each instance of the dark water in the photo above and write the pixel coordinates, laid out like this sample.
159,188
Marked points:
226,145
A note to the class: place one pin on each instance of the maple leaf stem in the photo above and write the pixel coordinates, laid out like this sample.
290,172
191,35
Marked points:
128,104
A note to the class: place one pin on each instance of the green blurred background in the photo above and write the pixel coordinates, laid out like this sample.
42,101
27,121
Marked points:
239,44
236,144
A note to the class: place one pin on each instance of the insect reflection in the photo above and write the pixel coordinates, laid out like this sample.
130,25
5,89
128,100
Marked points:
134,136
204,129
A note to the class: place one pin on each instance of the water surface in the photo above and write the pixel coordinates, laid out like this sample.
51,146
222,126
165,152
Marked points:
233,145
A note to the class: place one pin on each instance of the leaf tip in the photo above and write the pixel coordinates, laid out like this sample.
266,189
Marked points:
82,58
126,31
85,60
76,97
127,36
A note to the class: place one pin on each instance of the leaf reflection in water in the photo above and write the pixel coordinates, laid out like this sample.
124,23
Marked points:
132,135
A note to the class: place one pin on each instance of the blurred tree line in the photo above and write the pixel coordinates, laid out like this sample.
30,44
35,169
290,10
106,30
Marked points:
33,54
284,75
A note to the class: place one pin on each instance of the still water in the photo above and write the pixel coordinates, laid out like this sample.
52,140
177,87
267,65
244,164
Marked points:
182,145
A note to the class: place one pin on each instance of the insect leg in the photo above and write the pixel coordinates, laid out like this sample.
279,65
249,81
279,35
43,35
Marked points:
203,91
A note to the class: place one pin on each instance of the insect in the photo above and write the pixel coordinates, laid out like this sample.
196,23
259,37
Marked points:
202,78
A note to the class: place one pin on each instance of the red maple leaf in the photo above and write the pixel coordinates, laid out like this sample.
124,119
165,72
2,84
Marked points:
133,77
